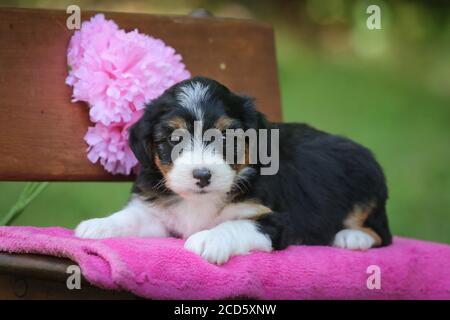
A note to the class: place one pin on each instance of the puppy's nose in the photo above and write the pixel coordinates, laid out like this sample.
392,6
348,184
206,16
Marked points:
203,176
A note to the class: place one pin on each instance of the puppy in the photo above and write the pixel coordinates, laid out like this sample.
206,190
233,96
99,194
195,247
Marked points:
326,190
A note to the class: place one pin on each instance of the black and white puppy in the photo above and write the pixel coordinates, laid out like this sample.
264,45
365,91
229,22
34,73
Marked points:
328,190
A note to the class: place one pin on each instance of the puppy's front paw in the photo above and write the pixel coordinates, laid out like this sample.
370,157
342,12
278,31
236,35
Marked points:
99,228
353,239
211,245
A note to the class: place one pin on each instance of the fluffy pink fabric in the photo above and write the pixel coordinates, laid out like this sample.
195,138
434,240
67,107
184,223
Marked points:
116,73
161,268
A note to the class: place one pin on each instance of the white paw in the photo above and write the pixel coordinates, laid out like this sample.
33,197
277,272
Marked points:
212,245
101,228
353,239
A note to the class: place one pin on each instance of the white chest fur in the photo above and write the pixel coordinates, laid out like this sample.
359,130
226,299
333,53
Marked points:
187,217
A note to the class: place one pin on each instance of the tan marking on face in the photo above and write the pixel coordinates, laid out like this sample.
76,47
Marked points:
241,166
223,123
358,216
164,168
178,123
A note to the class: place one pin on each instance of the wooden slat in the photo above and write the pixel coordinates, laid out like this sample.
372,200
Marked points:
36,266
41,131
30,276
13,287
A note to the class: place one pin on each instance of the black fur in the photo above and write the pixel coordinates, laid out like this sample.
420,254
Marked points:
320,180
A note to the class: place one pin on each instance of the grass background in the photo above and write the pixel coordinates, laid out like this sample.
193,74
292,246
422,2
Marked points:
385,103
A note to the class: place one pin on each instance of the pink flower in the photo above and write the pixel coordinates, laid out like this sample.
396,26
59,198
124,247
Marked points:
117,73
109,145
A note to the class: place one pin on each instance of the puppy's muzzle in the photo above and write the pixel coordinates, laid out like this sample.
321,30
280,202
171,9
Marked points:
203,175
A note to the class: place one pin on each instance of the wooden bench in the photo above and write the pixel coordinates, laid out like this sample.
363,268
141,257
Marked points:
41,131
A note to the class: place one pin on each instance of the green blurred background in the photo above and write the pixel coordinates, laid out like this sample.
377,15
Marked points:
388,89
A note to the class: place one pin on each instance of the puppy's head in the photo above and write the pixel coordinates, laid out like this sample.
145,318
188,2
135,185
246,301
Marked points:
182,137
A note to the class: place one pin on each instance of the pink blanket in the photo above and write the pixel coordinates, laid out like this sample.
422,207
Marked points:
161,268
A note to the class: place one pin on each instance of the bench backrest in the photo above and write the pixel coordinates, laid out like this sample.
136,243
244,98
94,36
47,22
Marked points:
41,131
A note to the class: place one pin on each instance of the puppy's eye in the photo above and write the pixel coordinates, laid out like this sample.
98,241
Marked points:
174,139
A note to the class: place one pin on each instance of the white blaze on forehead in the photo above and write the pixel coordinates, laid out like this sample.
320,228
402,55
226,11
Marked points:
190,97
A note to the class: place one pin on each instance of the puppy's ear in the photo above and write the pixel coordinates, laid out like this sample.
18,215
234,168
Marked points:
247,113
141,133
138,141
